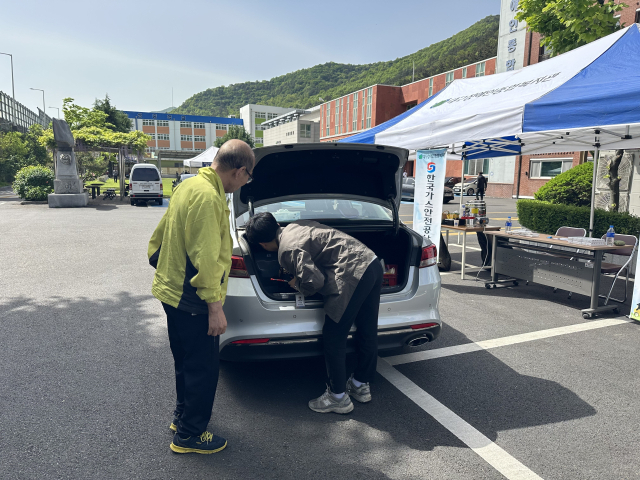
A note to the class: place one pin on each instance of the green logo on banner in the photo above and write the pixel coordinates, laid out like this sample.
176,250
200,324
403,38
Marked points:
439,103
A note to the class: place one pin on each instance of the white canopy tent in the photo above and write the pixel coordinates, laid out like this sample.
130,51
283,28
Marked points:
586,99
205,159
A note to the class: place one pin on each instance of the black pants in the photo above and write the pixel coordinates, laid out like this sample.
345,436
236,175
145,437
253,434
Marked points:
196,359
481,193
363,311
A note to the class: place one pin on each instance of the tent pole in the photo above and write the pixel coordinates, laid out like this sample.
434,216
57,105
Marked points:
596,154
464,158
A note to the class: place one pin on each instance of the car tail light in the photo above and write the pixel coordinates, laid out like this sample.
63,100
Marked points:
429,256
423,325
238,268
250,341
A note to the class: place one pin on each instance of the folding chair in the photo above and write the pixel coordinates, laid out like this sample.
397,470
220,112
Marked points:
629,250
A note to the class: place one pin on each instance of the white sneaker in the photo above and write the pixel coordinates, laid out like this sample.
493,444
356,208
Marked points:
327,403
361,393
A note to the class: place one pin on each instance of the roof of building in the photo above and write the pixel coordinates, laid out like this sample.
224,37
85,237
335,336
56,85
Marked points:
287,117
183,118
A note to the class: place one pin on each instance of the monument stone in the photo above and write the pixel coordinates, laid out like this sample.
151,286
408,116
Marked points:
67,186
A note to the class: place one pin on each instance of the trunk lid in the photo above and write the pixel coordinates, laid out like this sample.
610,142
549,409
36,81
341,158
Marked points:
370,173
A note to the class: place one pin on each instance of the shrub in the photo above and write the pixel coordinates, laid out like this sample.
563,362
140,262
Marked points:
572,187
545,217
34,181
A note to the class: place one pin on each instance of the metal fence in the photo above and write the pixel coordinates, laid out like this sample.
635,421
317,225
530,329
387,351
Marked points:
15,116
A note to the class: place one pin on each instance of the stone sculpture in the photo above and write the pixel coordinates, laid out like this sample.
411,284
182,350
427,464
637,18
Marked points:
67,186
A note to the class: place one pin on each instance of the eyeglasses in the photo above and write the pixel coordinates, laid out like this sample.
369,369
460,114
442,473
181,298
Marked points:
250,176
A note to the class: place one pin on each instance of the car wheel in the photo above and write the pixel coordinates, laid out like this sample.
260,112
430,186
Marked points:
132,203
471,191
159,201
447,200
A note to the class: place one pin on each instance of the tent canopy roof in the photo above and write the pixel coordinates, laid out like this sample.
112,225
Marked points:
586,97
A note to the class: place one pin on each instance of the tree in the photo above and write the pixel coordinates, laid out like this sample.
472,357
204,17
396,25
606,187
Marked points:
19,150
235,131
568,24
614,180
115,117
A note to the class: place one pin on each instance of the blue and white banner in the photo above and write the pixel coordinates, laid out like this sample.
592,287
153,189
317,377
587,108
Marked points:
430,172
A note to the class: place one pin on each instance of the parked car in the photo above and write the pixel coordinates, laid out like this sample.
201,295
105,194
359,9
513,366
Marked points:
145,183
408,190
470,186
451,181
315,181
181,179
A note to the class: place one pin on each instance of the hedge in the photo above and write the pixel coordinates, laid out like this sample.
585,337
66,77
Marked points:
545,217
34,182
572,187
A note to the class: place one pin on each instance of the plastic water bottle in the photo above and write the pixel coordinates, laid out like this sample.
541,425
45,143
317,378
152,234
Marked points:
507,225
611,236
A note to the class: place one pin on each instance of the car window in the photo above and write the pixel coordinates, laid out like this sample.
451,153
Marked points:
410,181
324,209
145,175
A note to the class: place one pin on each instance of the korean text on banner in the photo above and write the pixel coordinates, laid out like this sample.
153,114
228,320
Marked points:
429,193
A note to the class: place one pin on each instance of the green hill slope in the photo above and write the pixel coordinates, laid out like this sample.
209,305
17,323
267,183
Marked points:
302,88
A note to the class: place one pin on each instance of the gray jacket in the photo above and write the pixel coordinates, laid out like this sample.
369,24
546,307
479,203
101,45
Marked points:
323,260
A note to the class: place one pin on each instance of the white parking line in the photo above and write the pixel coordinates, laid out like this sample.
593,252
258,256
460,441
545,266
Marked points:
480,444
501,342
468,247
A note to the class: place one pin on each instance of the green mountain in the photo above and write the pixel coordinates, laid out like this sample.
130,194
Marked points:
302,88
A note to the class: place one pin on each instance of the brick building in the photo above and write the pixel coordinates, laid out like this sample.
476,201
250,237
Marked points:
359,111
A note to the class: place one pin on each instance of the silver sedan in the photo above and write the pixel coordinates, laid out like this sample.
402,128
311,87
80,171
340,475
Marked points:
351,187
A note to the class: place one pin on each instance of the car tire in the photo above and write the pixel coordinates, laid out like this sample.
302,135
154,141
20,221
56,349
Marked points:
447,200
159,201
471,191
132,202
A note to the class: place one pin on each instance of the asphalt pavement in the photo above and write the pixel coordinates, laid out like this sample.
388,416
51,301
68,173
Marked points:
87,382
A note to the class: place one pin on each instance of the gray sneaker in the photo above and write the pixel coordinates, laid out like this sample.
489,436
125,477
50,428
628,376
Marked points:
361,393
327,403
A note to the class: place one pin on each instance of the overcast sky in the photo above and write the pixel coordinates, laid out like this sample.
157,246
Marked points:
138,50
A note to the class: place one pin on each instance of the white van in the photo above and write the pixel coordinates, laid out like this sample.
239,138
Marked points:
145,183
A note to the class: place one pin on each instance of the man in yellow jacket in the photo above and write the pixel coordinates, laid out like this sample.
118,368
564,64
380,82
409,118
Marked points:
191,251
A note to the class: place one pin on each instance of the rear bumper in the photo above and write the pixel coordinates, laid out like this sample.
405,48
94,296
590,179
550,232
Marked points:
145,196
312,346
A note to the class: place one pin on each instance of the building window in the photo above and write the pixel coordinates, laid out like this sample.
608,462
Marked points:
544,53
148,122
185,124
221,126
199,138
354,120
341,112
198,125
261,115
549,168
163,148
198,149
347,111
431,86
305,131
464,72
474,167
637,19
448,79
328,119
364,106
369,102
153,137
480,69
162,136
186,138
271,115
337,119
163,123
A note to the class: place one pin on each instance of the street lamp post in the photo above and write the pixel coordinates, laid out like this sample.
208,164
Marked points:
13,88
56,108
44,108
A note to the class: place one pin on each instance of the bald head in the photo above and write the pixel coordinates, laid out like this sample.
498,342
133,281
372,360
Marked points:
234,154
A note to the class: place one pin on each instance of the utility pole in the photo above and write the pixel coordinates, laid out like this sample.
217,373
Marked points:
56,108
44,108
13,89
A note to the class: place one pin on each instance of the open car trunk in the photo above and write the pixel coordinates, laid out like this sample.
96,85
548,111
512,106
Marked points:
400,250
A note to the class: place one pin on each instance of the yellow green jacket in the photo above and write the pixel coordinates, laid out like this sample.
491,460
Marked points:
191,246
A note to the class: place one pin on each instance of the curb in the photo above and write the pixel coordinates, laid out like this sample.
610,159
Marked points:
34,202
